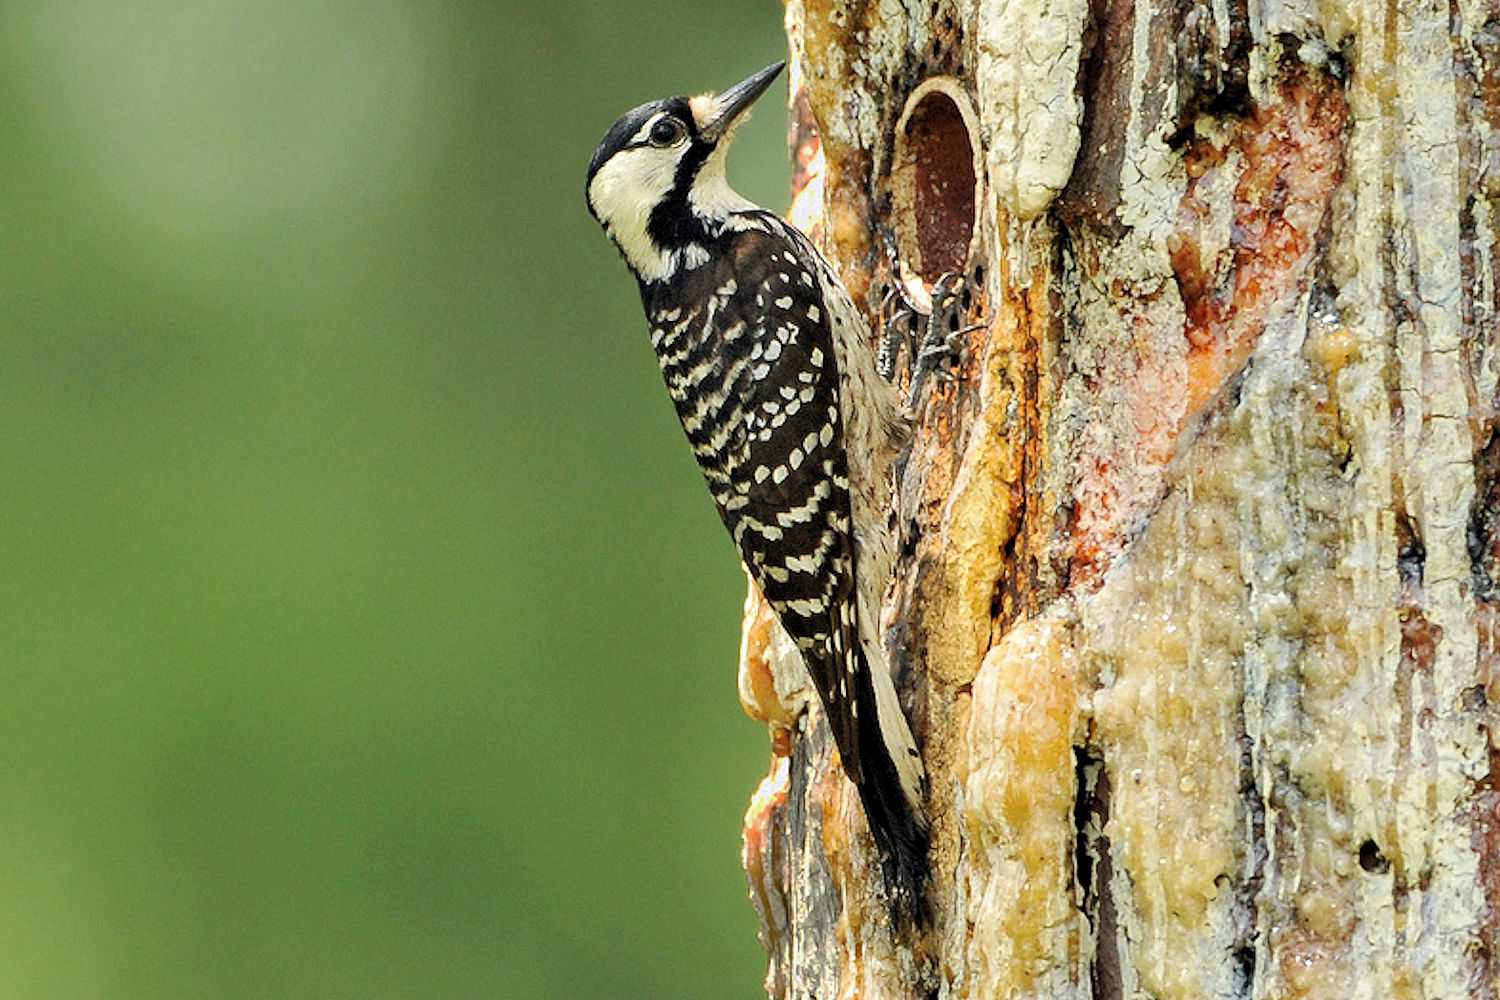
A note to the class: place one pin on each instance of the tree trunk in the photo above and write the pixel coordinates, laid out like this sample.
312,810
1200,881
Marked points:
1199,603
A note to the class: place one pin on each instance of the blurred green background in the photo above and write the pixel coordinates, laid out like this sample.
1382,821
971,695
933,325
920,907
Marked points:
367,631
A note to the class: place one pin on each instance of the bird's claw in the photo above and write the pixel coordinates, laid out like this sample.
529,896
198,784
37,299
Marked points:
897,321
943,352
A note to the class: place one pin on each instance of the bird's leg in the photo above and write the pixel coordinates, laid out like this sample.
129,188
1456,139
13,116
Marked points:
942,351
898,312
895,323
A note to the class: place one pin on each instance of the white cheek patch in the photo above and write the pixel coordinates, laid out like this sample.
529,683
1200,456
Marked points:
622,193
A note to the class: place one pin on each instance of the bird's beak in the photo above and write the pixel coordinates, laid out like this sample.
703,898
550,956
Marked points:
734,102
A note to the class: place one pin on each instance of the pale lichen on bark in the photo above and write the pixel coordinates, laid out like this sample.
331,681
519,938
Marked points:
1198,614
1026,78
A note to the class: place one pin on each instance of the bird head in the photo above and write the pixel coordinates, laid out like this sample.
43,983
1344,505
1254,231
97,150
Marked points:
656,182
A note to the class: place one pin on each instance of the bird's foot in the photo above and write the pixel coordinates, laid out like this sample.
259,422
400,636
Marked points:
943,352
898,321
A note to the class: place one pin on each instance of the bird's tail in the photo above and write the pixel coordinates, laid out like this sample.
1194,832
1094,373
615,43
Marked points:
890,787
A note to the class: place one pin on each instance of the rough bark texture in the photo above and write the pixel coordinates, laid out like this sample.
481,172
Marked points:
1198,613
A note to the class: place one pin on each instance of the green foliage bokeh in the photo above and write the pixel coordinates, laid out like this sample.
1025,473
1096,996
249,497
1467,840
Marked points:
367,631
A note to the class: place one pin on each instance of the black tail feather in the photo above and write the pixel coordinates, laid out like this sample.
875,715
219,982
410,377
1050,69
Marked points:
901,834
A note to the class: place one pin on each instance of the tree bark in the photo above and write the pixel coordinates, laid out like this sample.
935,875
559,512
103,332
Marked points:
1198,609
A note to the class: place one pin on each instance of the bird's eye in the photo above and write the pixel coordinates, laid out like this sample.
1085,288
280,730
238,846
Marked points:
667,132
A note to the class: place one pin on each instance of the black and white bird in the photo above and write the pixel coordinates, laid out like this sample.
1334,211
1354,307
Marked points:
773,376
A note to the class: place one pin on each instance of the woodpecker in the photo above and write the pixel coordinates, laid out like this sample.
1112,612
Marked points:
773,376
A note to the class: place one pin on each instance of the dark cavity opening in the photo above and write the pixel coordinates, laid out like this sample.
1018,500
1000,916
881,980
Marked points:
1371,860
940,158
